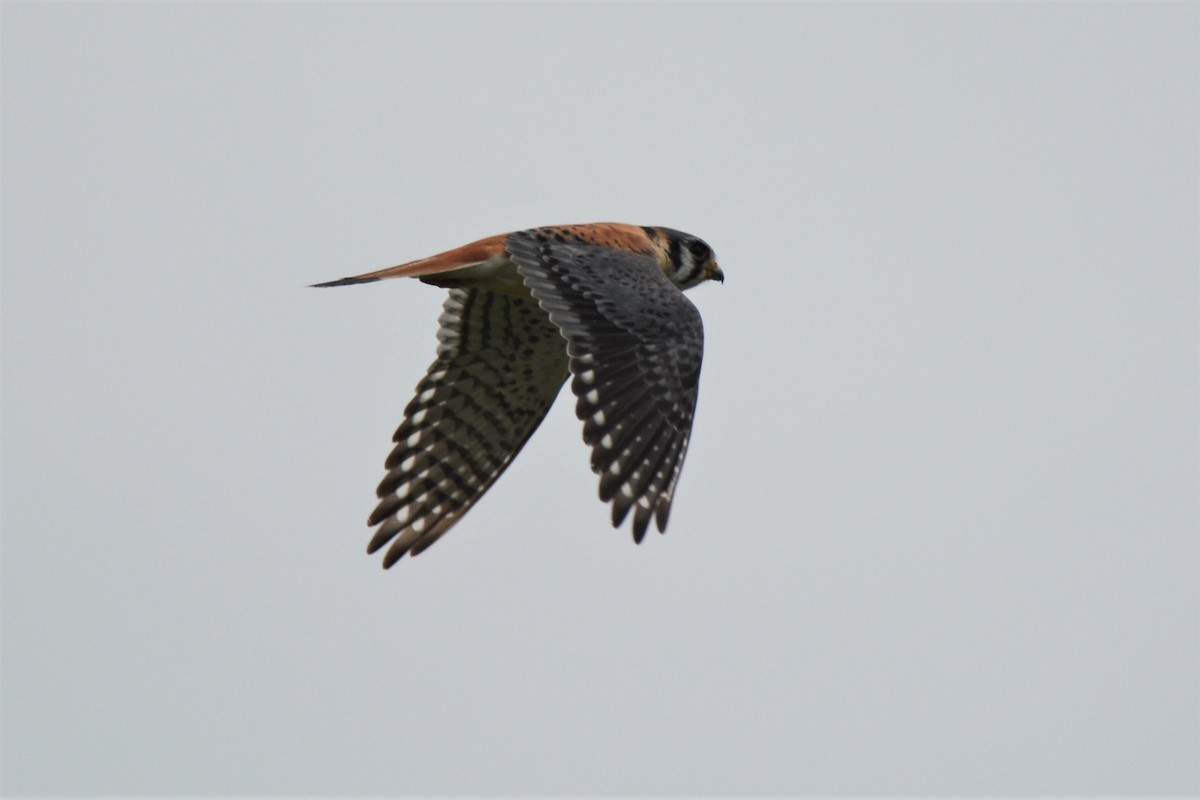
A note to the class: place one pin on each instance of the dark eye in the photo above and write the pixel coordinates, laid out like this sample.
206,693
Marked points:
699,249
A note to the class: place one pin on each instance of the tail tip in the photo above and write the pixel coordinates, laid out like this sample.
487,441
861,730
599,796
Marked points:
342,282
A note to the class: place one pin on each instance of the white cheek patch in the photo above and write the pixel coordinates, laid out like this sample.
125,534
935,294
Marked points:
688,266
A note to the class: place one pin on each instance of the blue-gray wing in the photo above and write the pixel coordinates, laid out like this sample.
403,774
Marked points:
635,344
499,366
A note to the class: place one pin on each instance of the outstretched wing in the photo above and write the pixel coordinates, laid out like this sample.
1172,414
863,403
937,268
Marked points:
500,365
635,345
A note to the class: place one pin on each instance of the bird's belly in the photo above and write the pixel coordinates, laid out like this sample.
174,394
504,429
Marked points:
498,274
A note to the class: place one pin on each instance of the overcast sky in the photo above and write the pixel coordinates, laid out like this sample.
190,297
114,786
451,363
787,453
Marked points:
938,527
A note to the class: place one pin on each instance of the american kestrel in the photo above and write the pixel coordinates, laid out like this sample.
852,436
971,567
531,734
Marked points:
602,301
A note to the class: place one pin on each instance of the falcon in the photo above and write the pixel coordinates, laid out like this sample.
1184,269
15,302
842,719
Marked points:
601,303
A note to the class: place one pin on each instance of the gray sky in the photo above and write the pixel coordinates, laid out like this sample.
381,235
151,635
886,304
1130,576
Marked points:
937,530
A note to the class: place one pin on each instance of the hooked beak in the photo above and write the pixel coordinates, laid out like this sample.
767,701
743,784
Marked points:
713,273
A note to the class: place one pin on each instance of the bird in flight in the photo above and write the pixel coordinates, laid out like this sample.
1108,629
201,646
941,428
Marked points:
602,303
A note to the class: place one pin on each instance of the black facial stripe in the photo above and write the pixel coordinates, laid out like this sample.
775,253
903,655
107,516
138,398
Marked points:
673,254
694,272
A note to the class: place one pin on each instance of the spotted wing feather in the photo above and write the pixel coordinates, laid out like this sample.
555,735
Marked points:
635,345
499,366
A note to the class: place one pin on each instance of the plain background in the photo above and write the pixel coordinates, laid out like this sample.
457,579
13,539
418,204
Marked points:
937,531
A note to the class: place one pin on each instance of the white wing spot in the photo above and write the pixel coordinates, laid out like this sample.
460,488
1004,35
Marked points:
412,440
606,442
419,417
419,525
588,376
426,395
598,418
627,490
592,397
407,463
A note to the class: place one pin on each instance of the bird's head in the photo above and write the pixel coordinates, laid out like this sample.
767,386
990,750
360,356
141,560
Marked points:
689,259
